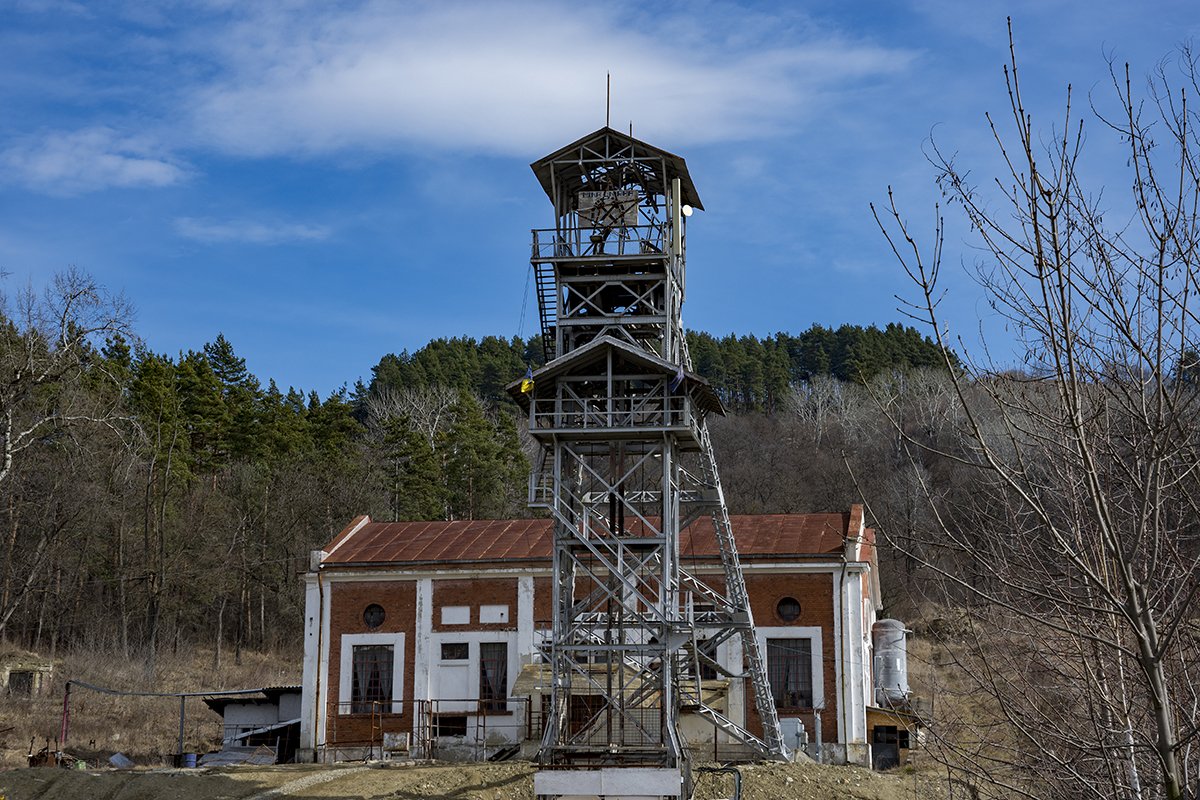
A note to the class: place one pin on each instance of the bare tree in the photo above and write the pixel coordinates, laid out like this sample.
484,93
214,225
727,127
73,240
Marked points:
47,386
427,409
1080,544
823,402
47,344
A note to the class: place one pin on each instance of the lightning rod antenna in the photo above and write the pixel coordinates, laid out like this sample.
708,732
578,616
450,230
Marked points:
608,102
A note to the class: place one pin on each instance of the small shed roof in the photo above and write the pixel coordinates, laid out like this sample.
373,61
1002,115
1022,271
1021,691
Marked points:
269,696
568,172
759,537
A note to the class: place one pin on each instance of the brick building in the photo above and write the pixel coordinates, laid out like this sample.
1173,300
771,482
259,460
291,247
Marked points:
425,634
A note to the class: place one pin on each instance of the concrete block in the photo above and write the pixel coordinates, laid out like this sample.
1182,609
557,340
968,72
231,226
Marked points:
609,783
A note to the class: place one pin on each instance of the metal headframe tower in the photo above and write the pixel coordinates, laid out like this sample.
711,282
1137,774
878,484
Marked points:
626,465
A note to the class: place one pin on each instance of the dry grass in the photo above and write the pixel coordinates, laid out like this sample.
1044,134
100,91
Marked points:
973,738
144,728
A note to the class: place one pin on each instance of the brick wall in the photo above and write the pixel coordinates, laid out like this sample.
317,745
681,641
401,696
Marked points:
398,599
543,603
474,592
347,602
815,593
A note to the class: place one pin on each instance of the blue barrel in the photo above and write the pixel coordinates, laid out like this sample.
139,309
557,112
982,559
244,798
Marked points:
188,761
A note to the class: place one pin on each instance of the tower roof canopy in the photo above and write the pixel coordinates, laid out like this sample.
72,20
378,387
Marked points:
597,350
570,164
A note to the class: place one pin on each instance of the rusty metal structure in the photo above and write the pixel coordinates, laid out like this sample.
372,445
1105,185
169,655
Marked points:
626,465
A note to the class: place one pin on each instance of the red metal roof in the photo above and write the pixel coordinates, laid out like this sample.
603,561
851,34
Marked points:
522,540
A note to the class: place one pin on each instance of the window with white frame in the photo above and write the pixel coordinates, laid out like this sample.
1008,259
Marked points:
371,676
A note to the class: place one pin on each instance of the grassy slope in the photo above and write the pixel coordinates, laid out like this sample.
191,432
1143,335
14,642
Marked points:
146,729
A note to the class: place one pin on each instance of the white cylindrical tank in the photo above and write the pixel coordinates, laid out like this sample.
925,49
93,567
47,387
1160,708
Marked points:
891,661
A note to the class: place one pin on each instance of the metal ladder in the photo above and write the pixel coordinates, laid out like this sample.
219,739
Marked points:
735,589
772,743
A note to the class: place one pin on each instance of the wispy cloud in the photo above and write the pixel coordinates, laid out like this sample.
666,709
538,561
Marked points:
514,77
248,231
51,6
498,77
75,162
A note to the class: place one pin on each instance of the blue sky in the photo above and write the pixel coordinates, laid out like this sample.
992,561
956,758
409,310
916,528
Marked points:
326,183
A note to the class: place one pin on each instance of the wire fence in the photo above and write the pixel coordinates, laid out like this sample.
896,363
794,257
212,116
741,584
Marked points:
474,730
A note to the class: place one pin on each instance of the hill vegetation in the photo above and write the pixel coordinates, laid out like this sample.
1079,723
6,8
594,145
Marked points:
172,499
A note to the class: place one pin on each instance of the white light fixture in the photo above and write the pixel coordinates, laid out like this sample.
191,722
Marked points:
687,210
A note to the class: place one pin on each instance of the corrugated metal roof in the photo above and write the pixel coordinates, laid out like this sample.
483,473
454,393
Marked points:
521,540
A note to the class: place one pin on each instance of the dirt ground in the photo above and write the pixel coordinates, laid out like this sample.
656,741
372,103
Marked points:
431,782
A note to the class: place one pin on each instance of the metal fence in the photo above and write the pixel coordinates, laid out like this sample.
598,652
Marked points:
629,240
454,728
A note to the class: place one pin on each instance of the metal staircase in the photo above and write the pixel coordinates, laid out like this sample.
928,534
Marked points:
547,294
723,723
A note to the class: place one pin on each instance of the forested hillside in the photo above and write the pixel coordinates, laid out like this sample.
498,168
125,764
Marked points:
152,499
750,374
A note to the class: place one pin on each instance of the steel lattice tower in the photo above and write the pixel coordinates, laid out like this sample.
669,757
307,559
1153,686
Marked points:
626,465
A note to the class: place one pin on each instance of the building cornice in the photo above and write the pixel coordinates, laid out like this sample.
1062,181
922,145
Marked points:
347,574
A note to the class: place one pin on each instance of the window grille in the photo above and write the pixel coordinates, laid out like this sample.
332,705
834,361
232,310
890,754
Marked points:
493,675
372,678
789,671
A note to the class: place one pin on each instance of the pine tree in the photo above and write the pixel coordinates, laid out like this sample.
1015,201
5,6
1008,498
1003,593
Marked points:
332,422
240,393
205,415
475,463
284,430
229,368
415,485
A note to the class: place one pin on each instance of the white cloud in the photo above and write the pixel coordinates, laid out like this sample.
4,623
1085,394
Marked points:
514,78
74,162
511,78
248,231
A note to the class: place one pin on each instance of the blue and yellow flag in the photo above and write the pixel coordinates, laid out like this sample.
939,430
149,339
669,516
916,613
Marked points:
527,381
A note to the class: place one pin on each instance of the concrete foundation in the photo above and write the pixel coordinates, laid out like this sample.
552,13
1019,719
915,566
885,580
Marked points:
608,783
